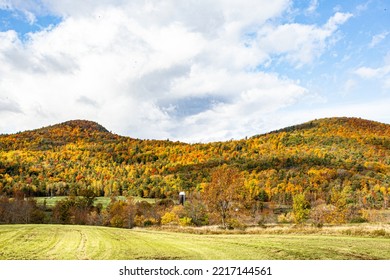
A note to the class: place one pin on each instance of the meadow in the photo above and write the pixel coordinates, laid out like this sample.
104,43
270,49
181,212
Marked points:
74,242
51,201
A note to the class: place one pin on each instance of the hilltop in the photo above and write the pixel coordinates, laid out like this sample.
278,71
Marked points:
49,137
354,125
317,157
80,125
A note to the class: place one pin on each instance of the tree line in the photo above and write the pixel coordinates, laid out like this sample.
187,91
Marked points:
224,201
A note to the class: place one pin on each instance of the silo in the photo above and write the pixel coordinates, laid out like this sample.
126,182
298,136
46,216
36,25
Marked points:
182,198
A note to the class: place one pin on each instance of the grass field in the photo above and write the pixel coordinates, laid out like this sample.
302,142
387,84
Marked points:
98,243
51,201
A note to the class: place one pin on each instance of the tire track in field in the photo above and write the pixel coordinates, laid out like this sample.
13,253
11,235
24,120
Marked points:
13,235
68,243
7,242
99,245
120,244
164,246
52,251
127,244
51,244
26,238
160,247
81,249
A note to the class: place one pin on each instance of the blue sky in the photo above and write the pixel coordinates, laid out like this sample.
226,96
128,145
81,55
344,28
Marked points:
192,70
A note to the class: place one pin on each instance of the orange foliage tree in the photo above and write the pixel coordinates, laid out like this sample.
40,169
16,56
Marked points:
224,192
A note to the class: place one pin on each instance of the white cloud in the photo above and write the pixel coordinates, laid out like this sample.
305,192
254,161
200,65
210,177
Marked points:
367,72
299,43
241,112
376,39
336,20
380,74
363,7
312,6
183,70
370,73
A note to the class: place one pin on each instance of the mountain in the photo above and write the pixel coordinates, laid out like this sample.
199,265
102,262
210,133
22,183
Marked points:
351,124
47,138
80,125
320,157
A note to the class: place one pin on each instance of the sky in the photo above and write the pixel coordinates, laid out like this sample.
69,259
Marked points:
195,70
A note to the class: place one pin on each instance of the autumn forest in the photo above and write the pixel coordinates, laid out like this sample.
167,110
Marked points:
326,171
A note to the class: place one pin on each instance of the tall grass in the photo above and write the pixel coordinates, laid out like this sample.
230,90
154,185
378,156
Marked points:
366,230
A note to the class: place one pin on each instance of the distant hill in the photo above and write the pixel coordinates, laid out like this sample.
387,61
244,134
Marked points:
61,134
79,124
317,157
354,125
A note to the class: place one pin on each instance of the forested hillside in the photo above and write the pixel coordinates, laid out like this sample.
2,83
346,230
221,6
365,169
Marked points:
329,160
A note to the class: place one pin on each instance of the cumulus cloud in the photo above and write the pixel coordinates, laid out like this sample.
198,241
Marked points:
242,111
185,70
299,43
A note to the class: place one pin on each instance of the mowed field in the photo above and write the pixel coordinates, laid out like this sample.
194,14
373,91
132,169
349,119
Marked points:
60,242
51,201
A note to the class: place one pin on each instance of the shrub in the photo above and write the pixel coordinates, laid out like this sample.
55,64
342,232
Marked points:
373,215
322,214
234,224
94,218
150,222
197,211
117,221
285,218
379,232
169,218
358,220
139,220
185,221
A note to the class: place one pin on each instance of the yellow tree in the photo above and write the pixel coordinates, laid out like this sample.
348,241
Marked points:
301,208
224,191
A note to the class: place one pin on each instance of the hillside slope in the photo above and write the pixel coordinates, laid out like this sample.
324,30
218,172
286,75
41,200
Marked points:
320,157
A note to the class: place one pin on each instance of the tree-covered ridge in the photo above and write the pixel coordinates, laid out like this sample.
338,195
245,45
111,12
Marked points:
322,158
57,135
